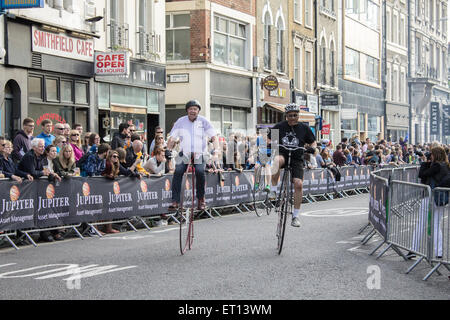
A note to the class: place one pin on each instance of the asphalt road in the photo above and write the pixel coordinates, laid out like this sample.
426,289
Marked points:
233,257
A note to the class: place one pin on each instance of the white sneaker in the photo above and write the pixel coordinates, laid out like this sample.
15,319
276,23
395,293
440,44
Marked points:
163,222
295,222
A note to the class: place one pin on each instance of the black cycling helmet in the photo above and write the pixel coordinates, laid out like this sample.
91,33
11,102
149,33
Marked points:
191,103
291,107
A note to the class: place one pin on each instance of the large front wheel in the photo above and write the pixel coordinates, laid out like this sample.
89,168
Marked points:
282,209
186,213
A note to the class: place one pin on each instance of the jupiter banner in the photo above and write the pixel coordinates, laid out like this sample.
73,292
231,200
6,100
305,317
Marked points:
17,205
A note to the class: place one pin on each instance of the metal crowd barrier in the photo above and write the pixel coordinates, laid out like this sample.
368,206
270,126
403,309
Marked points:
416,219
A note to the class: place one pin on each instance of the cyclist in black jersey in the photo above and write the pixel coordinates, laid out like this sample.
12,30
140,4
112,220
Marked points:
290,133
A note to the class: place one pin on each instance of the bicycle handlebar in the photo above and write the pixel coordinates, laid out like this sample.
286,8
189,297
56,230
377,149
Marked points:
292,148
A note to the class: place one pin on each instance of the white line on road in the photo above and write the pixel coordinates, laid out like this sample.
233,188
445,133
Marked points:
138,237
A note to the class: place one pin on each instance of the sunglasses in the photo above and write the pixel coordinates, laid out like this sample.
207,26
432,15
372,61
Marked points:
295,115
132,130
115,156
160,132
76,135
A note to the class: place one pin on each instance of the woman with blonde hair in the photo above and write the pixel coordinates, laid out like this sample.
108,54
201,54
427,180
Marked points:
65,164
75,142
59,142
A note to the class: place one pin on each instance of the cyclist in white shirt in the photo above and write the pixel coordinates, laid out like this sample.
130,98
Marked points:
193,131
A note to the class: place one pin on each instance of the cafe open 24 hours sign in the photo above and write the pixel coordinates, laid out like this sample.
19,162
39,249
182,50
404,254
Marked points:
111,63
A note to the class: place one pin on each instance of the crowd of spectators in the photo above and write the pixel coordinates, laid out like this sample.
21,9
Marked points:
60,152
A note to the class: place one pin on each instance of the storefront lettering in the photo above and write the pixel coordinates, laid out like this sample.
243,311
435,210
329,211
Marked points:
62,45
52,116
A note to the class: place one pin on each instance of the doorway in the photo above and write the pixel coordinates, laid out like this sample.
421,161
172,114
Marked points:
10,111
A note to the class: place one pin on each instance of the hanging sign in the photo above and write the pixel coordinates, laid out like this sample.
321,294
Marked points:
21,4
270,83
110,63
326,129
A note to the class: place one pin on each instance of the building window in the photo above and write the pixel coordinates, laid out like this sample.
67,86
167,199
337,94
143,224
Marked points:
438,62
51,89
362,122
388,26
372,69
298,11
365,11
308,71
280,46
103,95
373,127
308,13
401,86
230,42
332,66
402,32
394,29
66,91
418,53
323,62
266,40
35,87
388,83
297,68
228,119
394,85
352,63
178,37
81,92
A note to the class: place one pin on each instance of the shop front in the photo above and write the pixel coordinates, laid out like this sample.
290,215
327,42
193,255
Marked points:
136,98
329,110
397,121
231,103
48,73
362,111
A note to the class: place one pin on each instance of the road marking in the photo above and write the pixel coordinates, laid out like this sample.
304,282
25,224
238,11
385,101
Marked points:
339,212
8,264
136,237
60,270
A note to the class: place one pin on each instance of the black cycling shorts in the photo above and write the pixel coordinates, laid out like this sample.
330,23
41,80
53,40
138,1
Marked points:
296,166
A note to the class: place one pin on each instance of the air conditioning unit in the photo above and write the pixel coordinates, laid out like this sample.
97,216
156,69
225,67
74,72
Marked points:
255,62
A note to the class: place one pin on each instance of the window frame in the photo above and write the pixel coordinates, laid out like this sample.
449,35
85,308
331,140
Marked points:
174,29
298,14
308,17
228,35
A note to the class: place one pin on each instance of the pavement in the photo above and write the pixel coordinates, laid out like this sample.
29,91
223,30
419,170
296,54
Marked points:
233,258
